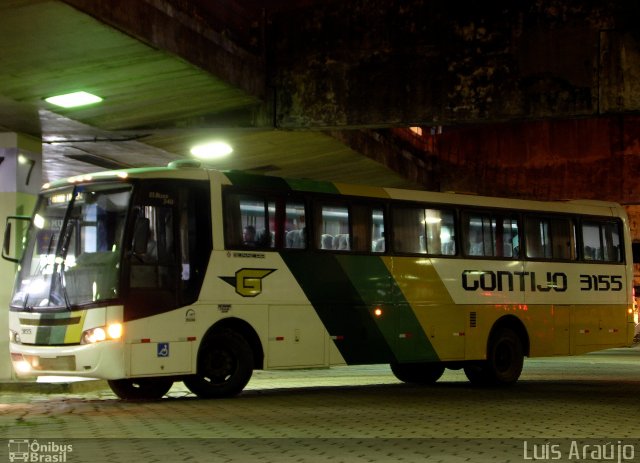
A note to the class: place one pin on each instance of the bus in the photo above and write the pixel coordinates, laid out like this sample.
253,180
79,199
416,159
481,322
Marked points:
148,276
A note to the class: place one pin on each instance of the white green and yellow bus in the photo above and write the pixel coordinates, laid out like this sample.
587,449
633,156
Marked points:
144,277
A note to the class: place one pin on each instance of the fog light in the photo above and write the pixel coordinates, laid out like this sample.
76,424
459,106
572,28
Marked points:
20,364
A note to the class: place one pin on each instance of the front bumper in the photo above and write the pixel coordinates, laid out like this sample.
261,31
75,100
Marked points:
103,360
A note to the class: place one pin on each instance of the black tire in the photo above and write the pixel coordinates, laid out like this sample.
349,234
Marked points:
141,388
225,366
418,373
505,358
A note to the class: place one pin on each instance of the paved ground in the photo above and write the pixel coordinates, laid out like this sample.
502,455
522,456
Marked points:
584,408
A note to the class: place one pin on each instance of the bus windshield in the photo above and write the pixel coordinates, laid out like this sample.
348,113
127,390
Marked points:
73,248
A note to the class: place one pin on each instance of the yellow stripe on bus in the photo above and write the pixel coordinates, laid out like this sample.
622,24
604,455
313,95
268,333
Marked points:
75,331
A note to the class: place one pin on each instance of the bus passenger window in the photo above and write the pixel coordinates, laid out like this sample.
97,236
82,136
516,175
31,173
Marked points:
377,231
295,226
249,221
439,232
550,238
424,231
408,230
491,235
601,241
333,228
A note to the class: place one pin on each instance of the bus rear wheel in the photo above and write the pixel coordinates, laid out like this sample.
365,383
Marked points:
419,373
505,358
140,388
225,365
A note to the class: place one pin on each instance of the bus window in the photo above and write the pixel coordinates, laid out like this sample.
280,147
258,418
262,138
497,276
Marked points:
491,235
153,267
377,230
439,226
550,238
195,239
601,241
295,225
423,231
249,221
367,228
333,228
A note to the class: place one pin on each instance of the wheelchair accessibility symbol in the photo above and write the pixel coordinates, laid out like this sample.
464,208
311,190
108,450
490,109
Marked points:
163,349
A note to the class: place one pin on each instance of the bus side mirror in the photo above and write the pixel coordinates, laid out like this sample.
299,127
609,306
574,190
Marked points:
6,244
7,240
141,236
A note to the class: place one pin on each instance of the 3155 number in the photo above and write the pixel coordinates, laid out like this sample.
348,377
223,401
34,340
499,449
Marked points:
601,282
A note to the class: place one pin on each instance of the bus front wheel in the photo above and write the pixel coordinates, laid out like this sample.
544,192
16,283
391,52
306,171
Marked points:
419,373
225,365
140,388
505,358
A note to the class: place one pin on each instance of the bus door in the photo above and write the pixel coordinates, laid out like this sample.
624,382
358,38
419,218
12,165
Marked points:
154,268
168,251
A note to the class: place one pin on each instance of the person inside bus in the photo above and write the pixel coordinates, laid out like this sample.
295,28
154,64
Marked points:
249,235
515,243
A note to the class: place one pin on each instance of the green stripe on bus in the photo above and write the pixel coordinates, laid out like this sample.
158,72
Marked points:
397,321
313,186
43,335
339,305
243,179
50,335
257,182
58,334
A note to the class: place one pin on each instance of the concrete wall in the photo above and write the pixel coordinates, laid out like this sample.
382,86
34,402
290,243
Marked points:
19,183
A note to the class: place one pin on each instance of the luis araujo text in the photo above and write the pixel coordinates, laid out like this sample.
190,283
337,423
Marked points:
575,450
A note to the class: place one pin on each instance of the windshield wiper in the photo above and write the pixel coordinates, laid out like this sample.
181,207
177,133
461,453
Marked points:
61,252
63,287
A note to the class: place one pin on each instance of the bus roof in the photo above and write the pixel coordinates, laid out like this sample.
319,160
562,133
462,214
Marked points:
189,169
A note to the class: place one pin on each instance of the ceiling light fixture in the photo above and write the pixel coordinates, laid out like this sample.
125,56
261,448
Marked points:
213,150
72,100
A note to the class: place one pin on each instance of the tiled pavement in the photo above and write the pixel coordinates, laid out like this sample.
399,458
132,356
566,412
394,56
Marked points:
350,414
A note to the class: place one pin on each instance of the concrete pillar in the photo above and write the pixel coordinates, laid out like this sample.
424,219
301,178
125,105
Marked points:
20,181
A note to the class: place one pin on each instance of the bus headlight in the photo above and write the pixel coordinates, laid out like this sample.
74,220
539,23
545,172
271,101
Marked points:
102,333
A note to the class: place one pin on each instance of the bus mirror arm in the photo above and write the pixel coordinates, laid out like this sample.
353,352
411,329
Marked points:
6,244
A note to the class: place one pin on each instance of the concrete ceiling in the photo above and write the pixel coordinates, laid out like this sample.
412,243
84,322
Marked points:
156,105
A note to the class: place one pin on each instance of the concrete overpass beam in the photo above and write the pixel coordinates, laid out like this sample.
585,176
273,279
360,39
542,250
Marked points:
366,63
221,38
